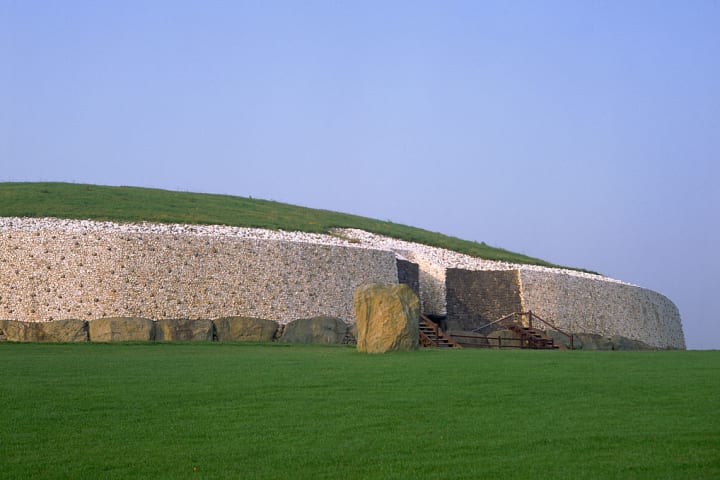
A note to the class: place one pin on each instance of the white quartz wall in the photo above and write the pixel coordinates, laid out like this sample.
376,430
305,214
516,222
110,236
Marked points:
54,269
85,270
432,284
588,305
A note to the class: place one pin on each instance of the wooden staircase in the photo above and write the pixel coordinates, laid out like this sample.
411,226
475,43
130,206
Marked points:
534,338
527,336
432,336
524,335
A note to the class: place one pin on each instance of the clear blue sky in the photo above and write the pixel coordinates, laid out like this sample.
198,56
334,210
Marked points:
586,133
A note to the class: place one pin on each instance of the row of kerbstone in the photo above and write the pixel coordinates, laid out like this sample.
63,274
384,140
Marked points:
321,329
592,341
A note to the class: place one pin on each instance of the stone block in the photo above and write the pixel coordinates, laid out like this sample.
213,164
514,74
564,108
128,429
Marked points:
183,329
321,329
591,341
245,329
564,340
71,330
121,329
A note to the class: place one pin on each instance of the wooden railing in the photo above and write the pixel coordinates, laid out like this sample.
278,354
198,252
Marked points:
440,336
532,316
479,340
426,341
496,321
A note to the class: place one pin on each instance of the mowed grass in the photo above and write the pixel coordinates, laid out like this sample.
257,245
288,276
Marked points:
269,411
133,204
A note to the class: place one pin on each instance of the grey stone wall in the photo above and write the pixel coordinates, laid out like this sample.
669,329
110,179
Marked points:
577,304
476,298
55,274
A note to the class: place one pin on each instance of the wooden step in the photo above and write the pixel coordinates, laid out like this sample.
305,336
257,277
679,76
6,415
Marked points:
430,333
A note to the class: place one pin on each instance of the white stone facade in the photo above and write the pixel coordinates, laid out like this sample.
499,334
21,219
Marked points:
54,269
577,304
87,270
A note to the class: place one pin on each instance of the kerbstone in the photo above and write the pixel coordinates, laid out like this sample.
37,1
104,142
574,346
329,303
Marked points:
245,329
121,329
70,330
183,329
321,329
591,341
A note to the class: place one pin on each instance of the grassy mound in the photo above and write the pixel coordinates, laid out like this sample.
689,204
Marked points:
132,204
269,411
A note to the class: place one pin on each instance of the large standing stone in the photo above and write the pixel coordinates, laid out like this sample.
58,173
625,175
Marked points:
183,329
71,330
245,329
121,329
315,330
387,318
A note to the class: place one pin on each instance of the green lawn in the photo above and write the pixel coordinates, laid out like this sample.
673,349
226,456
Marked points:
132,204
209,410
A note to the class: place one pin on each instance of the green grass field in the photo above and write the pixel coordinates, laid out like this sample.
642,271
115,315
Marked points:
270,411
132,204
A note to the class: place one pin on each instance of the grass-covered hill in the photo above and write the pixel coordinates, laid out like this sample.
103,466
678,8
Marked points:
133,204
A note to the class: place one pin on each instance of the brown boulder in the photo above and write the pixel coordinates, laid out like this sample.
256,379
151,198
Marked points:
315,330
13,331
593,341
121,329
184,329
245,329
71,330
387,318
563,340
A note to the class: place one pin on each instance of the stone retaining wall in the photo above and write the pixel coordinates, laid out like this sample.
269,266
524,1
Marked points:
477,298
409,274
577,304
62,269
56,274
